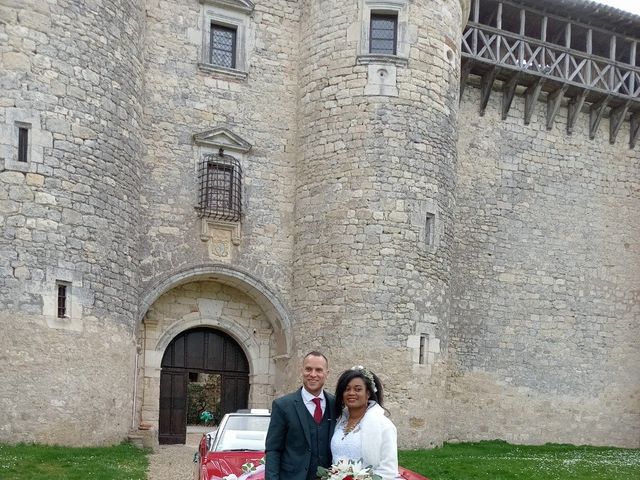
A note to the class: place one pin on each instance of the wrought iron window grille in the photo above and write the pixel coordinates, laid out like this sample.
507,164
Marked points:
220,187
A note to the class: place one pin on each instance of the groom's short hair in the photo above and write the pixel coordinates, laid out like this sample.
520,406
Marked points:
315,353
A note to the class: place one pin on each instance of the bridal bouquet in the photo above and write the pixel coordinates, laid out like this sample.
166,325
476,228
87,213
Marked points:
347,470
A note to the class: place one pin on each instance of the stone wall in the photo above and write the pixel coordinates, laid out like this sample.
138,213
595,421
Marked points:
545,318
375,159
71,75
491,280
182,99
185,97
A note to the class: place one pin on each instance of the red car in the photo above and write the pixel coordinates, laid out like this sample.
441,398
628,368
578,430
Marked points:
239,441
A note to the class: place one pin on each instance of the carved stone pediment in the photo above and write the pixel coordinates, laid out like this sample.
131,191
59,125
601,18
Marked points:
242,5
222,137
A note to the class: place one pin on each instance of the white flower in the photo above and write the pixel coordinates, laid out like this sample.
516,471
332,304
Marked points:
345,468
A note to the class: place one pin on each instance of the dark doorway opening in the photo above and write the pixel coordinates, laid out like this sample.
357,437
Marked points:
202,369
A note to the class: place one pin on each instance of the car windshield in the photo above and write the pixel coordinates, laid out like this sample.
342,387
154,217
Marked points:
243,432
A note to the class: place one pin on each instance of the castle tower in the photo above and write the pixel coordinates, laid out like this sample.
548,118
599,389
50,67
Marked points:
375,193
69,147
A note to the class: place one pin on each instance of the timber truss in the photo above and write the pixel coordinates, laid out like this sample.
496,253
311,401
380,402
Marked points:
498,44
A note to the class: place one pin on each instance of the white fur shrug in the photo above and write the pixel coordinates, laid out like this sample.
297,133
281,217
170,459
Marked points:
379,442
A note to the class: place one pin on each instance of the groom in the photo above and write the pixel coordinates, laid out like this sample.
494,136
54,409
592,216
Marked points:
302,423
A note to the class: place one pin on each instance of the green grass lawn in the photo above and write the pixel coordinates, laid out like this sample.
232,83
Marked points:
498,460
38,462
466,461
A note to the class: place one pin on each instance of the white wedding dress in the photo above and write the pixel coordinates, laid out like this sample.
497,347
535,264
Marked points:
373,441
346,447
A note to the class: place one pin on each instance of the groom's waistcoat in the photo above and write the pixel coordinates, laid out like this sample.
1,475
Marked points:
320,443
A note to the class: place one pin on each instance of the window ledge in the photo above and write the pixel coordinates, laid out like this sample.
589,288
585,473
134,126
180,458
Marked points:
10,164
382,59
228,72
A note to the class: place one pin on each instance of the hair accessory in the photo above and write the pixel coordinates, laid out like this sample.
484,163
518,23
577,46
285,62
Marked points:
367,374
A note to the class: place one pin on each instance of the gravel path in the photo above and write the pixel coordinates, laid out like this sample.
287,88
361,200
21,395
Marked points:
172,462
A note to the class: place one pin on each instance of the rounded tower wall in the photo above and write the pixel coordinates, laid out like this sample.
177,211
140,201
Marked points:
72,79
375,196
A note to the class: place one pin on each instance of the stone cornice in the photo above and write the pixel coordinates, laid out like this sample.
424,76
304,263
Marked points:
243,5
222,137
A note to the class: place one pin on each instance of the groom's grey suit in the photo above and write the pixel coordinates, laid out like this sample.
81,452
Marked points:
296,445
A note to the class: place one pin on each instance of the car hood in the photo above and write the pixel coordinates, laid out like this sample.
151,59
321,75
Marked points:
221,464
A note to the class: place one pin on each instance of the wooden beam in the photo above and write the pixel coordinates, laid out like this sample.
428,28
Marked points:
632,78
612,57
465,70
596,111
587,76
616,117
554,99
521,60
485,88
531,99
567,60
634,130
508,92
575,107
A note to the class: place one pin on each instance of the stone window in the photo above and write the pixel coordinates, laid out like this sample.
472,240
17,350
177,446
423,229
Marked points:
384,39
23,144
23,140
424,349
383,33
223,46
63,290
220,187
429,229
226,38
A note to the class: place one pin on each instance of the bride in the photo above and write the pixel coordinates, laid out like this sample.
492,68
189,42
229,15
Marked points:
363,432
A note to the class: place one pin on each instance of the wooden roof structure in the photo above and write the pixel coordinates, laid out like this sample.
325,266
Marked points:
579,50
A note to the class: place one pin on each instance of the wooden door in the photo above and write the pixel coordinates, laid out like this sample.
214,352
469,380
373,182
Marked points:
235,393
199,350
173,406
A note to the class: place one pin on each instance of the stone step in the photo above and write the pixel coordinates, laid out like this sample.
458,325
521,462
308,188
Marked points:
136,439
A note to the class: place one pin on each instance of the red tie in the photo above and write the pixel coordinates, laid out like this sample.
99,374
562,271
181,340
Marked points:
317,414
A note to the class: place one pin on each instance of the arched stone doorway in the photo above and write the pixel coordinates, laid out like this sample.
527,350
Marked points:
219,298
202,369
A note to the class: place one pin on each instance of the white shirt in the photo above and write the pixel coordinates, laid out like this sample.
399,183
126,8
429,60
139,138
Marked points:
307,398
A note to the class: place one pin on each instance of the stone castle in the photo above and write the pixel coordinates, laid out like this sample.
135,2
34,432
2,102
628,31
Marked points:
443,191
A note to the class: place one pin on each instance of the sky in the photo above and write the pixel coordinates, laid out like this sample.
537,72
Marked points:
632,6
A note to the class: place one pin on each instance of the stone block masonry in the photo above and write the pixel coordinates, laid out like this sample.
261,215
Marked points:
71,75
486,270
545,297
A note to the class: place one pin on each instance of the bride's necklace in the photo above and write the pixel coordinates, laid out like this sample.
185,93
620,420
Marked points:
350,426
